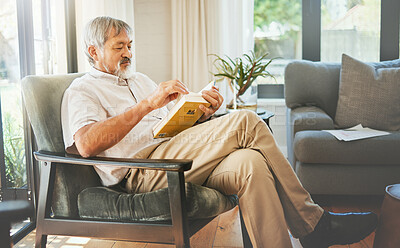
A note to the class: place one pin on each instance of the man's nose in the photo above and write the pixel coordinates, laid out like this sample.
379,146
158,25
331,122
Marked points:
127,52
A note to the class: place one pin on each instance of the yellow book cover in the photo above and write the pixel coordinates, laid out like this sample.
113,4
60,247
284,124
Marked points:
181,116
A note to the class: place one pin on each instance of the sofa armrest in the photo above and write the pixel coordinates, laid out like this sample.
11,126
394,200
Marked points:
309,118
304,118
177,165
312,84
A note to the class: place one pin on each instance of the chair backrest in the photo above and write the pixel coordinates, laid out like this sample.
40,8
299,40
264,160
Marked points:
312,84
42,97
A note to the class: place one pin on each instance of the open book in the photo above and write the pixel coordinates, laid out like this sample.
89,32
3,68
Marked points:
356,133
182,115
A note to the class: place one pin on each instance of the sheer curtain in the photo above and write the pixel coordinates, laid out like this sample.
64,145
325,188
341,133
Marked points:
89,9
202,27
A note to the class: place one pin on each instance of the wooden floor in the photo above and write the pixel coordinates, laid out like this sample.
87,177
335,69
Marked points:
223,231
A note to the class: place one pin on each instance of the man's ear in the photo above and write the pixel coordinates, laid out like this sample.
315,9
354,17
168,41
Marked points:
93,52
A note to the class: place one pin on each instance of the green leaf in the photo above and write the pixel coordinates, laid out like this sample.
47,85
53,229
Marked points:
242,70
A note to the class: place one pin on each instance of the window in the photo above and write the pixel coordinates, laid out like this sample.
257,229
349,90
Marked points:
14,173
351,27
26,46
13,170
321,30
48,55
277,31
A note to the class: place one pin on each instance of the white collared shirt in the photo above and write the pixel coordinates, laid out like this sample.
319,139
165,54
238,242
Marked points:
97,96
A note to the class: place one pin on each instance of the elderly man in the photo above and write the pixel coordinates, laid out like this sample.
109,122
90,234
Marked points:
111,110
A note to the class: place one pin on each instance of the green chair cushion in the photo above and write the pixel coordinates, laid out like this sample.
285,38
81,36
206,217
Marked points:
106,203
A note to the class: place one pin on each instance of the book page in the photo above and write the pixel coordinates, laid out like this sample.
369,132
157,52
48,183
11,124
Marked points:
208,86
356,133
182,115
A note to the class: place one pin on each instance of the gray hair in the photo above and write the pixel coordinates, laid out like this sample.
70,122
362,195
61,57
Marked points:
97,32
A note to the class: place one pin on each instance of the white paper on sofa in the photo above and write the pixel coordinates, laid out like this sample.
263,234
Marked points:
356,133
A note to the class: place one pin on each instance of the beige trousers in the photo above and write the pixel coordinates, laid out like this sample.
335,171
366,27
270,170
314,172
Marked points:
237,154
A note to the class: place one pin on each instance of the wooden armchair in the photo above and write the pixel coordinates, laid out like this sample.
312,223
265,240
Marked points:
73,202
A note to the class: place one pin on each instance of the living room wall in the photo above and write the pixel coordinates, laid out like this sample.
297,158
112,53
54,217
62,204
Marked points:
153,38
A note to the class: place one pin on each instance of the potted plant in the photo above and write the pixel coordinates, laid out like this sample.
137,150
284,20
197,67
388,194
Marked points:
241,74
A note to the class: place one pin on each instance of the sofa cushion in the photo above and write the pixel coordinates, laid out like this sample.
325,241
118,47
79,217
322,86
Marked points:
369,94
105,203
322,147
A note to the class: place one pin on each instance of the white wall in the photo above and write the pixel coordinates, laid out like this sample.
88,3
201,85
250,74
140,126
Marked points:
278,122
153,38
89,9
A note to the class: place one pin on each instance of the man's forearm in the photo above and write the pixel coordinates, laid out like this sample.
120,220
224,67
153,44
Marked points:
94,138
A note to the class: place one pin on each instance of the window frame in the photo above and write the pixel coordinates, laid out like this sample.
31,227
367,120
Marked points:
390,22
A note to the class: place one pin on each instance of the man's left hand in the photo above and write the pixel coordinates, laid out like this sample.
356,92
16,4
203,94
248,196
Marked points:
214,98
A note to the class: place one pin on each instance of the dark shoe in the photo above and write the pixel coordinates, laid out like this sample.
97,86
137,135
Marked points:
340,229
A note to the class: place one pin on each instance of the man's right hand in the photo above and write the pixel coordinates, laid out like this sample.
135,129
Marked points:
166,92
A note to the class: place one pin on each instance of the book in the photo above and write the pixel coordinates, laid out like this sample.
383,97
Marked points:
182,115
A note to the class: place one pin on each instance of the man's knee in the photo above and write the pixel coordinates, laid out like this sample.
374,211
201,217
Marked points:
243,118
244,114
239,168
247,162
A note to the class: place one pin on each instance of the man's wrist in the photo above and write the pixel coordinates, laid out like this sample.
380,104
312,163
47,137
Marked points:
147,107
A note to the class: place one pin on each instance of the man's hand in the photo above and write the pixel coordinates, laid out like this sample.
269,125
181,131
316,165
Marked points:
214,97
89,139
166,92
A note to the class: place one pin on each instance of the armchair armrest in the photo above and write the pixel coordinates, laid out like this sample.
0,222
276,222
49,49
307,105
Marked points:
176,186
310,118
177,165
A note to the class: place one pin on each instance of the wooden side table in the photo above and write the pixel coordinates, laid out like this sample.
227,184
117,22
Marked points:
388,230
265,115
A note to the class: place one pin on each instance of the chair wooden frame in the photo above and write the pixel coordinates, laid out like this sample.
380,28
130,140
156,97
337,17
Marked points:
175,232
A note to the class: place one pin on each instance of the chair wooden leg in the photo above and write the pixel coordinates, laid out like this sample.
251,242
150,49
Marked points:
41,239
245,234
177,201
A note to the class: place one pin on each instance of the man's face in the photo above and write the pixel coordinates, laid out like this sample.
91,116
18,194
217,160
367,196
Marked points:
115,57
